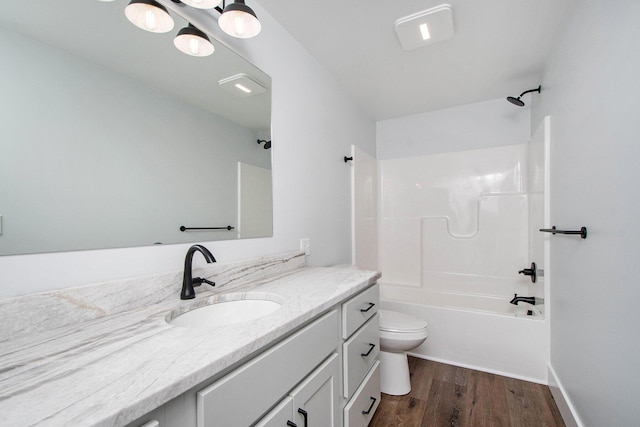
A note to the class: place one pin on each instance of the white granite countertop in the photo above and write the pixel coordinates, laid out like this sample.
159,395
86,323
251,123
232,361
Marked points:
111,370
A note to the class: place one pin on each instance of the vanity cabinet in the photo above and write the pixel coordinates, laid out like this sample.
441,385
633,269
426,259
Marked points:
323,375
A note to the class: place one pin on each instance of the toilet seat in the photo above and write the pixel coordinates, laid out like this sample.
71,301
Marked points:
400,323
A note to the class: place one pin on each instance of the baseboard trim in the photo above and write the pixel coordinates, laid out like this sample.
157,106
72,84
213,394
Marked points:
479,368
566,408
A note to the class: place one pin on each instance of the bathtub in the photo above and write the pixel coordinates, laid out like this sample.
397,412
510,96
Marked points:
481,332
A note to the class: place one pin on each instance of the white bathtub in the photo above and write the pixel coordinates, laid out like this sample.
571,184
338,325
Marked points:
476,331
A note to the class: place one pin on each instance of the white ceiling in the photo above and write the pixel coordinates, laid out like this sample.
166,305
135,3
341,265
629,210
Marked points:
499,49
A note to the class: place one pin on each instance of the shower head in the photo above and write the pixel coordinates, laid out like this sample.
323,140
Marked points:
517,101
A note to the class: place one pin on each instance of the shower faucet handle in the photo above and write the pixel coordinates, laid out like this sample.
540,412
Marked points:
532,272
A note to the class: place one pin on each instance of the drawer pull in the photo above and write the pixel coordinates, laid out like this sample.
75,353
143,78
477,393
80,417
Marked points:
304,415
373,402
291,424
371,347
364,310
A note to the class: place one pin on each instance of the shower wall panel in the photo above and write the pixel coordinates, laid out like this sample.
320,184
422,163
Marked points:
460,215
364,209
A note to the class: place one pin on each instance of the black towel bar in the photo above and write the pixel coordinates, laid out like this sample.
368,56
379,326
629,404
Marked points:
228,227
553,230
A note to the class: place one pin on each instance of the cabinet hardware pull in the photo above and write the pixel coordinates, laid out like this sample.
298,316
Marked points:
371,347
291,424
373,402
304,415
364,310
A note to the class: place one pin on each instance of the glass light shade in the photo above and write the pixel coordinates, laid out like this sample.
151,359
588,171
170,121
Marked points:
202,4
239,20
149,15
194,42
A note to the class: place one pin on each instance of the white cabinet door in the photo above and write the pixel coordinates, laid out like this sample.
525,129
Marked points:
280,416
315,400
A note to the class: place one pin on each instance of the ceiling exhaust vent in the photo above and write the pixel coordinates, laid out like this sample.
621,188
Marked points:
426,27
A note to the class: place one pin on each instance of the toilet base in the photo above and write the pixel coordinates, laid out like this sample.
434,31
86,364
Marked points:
394,373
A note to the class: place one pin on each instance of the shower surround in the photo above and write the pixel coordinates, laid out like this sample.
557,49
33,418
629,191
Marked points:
452,232
455,222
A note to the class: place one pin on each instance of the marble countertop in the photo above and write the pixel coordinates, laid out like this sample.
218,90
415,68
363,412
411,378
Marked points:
111,370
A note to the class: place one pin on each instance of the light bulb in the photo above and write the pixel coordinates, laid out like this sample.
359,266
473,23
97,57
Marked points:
149,15
194,42
239,20
150,22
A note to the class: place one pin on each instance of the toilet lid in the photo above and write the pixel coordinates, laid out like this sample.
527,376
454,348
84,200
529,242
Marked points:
393,321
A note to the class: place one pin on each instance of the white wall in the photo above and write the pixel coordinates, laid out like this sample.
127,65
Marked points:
591,91
314,124
466,127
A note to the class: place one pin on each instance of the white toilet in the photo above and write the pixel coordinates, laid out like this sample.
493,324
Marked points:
399,333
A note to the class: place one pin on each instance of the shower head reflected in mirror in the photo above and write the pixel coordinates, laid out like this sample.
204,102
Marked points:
517,101
267,144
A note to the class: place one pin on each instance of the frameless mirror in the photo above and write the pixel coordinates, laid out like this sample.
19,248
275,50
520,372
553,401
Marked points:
112,137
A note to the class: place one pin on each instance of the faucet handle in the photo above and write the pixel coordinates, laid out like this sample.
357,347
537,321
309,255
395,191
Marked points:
532,272
197,281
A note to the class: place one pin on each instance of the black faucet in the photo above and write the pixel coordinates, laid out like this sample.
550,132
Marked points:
529,300
188,282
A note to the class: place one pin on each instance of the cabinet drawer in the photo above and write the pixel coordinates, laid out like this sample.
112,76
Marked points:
360,352
366,399
359,309
241,397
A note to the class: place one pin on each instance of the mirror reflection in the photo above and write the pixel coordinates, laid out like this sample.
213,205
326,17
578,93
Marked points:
112,137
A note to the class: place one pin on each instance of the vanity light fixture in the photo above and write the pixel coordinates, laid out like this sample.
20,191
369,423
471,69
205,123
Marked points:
149,15
194,42
202,4
239,20
426,27
236,19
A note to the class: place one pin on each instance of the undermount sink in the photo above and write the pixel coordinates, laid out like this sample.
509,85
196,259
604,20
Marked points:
225,313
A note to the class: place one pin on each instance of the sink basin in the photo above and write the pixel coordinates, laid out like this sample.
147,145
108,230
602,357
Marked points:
225,313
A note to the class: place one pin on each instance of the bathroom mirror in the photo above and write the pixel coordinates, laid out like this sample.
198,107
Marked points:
112,137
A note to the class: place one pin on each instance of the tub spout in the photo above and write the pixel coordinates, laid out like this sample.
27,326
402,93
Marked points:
529,300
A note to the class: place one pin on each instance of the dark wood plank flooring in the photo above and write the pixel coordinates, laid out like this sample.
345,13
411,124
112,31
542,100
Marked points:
449,396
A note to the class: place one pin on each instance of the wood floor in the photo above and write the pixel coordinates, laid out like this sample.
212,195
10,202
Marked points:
447,396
